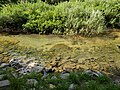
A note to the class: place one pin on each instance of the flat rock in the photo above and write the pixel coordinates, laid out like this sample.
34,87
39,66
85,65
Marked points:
32,64
4,83
4,65
53,77
93,73
72,87
64,75
37,69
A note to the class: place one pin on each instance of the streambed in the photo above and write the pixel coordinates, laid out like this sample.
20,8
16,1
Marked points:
65,52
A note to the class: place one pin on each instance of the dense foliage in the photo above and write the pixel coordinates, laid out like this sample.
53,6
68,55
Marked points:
78,81
86,17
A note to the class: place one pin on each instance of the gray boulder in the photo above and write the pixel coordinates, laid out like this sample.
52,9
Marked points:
72,87
4,83
64,75
93,73
3,65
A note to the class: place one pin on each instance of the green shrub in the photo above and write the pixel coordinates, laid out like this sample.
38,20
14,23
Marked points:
85,17
84,21
47,22
3,2
12,16
110,10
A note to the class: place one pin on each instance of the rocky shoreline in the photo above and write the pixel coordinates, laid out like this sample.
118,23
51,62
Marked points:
18,61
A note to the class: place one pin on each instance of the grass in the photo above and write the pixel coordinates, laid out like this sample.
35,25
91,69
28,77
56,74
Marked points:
80,80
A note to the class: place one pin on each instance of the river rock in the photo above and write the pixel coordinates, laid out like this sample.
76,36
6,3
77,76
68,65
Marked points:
44,74
72,87
37,69
64,75
32,81
1,76
53,77
3,65
32,64
4,83
51,86
93,73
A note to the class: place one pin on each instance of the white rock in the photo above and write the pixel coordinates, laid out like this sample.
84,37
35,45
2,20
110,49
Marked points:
93,73
4,83
117,81
72,87
64,75
14,62
37,68
32,64
24,71
53,77
4,65
51,86
11,60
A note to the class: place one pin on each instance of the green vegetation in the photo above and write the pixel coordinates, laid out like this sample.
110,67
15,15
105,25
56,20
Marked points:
61,53
82,17
80,80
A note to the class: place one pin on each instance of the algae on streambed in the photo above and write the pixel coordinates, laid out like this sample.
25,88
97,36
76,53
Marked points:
66,52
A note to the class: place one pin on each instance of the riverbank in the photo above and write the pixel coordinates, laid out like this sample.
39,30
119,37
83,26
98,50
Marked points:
64,53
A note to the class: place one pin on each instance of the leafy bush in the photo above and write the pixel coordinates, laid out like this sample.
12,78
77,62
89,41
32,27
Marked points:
46,22
86,17
84,21
3,2
12,16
